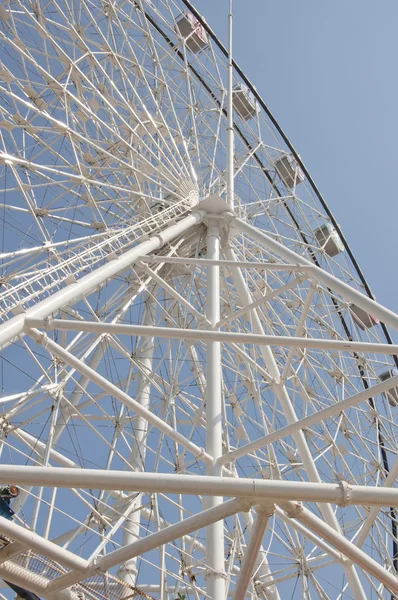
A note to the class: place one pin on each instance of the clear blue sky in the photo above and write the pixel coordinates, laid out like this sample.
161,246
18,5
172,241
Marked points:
328,71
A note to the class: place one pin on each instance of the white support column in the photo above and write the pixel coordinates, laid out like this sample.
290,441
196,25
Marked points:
214,410
252,550
131,531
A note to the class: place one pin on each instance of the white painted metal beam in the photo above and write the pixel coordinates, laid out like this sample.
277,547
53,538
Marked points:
215,546
139,425
207,335
259,489
252,549
31,540
235,264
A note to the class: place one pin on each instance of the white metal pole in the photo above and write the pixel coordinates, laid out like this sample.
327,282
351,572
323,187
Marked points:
261,565
214,426
260,490
230,116
228,337
252,550
131,531
236,264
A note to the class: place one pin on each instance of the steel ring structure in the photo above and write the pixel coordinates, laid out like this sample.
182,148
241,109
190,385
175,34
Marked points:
199,391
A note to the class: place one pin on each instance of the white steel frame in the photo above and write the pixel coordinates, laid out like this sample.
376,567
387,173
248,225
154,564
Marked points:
253,491
213,338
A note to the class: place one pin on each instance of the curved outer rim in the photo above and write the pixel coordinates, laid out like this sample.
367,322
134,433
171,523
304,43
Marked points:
296,156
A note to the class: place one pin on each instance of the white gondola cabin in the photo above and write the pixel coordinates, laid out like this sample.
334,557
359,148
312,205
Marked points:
196,38
289,170
328,239
362,318
244,102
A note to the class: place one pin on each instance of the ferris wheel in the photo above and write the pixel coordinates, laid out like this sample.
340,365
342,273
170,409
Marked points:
198,391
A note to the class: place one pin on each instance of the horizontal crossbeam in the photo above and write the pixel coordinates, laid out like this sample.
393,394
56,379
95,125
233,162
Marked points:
209,335
257,489
234,264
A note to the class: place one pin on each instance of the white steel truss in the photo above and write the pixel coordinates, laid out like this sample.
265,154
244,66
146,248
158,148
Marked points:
191,405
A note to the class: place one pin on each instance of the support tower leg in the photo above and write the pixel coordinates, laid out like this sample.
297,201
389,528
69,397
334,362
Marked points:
215,532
